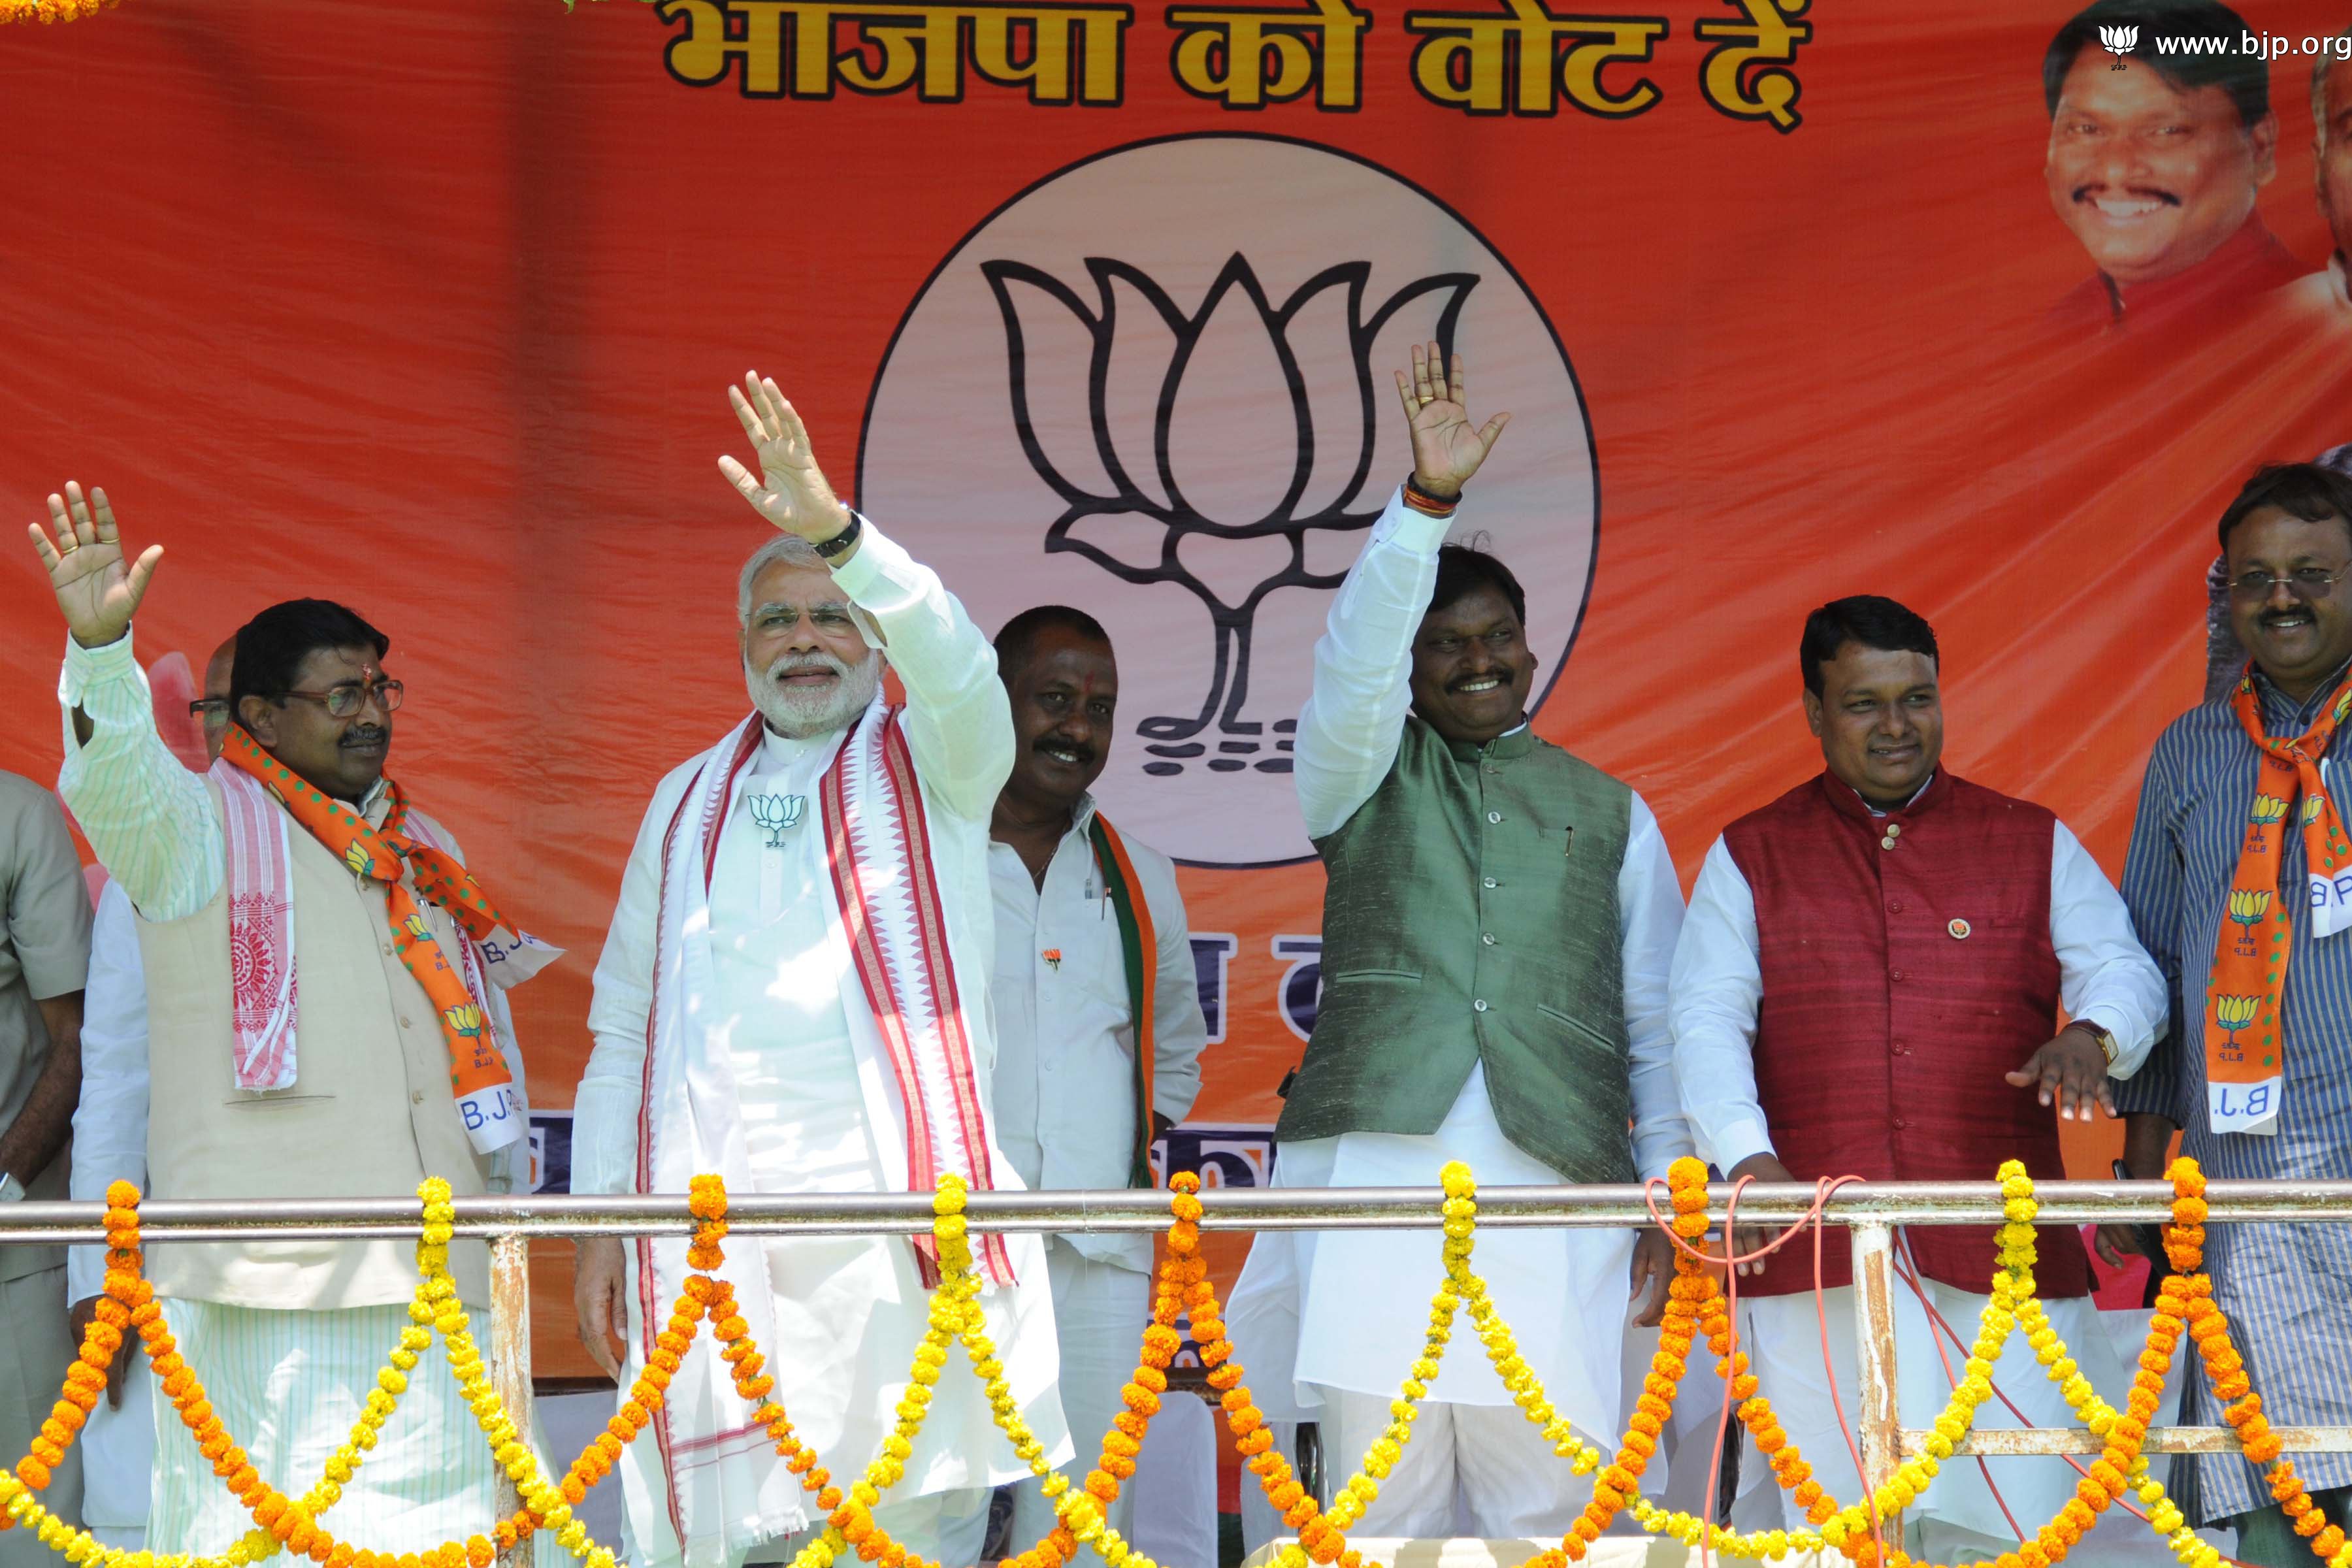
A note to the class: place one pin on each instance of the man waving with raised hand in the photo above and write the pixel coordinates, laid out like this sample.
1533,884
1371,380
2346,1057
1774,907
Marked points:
1497,927
295,858
803,945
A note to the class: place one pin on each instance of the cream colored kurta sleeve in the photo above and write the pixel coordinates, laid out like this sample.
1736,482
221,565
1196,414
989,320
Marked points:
959,719
151,820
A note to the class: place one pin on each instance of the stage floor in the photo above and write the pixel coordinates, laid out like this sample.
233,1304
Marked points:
1468,1551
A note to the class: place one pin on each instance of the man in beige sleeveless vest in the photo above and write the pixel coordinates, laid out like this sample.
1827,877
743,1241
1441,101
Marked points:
287,1337
1496,931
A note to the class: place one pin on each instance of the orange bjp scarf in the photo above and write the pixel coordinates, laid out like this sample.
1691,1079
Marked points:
483,1088
2245,1039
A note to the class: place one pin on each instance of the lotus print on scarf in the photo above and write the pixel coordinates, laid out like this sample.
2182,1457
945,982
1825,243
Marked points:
1319,341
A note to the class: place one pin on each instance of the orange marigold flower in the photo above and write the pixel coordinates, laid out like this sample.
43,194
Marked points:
1101,1485
2329,1542
1584,1530
2311,1524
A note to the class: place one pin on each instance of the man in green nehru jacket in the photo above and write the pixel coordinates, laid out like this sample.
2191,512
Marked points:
1497,929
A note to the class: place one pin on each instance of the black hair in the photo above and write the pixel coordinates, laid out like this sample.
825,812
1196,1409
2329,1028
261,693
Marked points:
2311,492
271,647
1463,569
1863,619
1019,638
2245,78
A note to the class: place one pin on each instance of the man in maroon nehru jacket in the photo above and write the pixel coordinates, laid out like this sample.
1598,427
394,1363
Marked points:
1868,983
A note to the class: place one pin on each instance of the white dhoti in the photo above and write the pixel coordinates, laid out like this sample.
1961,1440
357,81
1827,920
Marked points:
1329,1324
1960,1518
288,1386
1099,1313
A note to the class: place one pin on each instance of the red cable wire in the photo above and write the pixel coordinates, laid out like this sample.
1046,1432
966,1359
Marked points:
1935,1321
1729,1262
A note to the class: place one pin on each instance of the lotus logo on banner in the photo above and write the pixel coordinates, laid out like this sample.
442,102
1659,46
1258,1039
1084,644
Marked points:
1157,386
1145,485
2118,41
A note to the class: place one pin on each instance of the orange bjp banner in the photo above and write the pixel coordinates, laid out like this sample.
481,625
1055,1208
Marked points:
430,307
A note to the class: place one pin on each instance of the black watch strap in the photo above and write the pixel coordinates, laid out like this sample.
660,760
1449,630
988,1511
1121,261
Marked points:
840,543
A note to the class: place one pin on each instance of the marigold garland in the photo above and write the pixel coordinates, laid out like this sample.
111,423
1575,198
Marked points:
47,11
1696,1307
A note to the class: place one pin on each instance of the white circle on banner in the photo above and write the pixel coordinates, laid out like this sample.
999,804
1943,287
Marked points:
1157,385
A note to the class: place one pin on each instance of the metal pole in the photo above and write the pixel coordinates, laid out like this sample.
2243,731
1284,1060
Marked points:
1881,1436
510,1364
163,1221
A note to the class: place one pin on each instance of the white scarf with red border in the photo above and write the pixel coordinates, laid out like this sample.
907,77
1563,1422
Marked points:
725,1482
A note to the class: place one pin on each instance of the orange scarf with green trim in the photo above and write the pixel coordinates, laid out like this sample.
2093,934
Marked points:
399,856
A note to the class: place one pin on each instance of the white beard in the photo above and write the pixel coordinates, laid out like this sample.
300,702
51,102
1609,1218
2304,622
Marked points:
801,714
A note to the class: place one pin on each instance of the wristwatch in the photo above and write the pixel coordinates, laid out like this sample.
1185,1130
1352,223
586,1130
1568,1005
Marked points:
2107,1041
11,1191
840,543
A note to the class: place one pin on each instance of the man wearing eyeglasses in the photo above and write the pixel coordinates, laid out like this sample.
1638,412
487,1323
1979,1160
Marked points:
2240,883
325,1017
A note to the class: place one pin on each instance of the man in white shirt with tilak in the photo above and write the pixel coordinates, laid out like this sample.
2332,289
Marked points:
1098,1028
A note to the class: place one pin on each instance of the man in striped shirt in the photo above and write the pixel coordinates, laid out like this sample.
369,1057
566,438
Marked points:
2287,1288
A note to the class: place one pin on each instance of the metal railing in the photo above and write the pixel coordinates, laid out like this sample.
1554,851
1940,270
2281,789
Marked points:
1869,1210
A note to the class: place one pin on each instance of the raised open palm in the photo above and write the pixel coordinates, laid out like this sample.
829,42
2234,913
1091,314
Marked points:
790,491
96,593
1446,447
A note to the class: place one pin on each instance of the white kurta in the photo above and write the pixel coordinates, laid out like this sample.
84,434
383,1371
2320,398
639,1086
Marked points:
813,1100
1347,1310
1065,1102
2103,976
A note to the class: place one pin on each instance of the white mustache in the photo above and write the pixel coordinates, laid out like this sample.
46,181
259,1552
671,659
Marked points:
799,665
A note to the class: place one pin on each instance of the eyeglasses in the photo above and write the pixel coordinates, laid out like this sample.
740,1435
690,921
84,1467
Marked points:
2304,583
211,710
342,702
